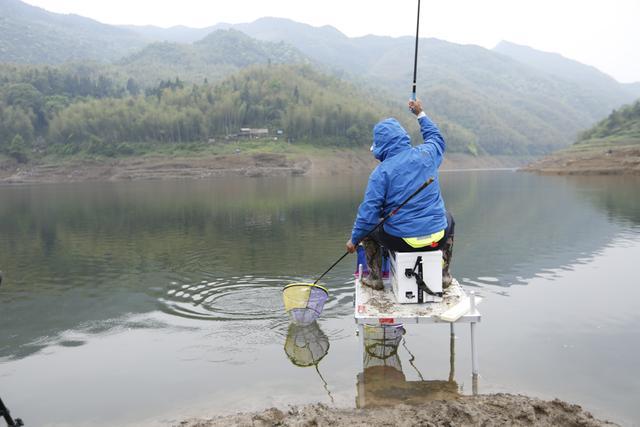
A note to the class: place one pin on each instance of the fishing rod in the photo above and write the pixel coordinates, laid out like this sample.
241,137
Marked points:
429,181
4,413
382,221
415,57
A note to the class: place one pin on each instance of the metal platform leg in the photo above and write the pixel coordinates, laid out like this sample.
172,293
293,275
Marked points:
474,351
362,350
452,354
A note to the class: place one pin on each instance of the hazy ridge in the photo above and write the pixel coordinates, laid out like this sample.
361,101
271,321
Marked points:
31,35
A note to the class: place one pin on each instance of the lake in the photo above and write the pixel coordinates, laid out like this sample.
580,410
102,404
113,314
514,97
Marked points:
143,303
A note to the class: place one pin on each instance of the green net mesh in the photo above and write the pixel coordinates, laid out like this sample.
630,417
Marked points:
306,345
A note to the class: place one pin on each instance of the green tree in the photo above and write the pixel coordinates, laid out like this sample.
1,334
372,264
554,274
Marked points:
15,121
132,87
19,149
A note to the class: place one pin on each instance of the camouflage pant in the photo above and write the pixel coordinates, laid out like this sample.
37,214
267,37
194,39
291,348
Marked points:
373,252
447,254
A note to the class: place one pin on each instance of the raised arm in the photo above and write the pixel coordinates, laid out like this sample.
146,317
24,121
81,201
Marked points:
433,141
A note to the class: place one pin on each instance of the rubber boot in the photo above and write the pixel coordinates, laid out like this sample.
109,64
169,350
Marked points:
447,254
373,253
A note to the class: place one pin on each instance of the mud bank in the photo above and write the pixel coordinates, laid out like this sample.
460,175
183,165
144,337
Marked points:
156,167
485,410
325,163
592,161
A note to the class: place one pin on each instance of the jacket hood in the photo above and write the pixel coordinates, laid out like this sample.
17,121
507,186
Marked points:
389,138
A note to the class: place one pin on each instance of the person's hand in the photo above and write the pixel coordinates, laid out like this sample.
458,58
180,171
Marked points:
415,106
351,248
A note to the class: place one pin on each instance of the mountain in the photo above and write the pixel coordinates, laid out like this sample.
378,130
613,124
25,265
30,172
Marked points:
216,56
502,104
234,47
31,35
325,44
511,100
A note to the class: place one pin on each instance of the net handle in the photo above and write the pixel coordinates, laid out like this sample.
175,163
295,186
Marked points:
382,221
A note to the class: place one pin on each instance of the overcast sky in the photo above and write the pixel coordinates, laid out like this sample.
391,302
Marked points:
605,34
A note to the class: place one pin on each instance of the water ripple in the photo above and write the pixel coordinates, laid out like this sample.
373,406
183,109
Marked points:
231,298
244,298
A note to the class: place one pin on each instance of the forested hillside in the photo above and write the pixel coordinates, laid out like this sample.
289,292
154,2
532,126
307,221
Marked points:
622,126
216,56
49,110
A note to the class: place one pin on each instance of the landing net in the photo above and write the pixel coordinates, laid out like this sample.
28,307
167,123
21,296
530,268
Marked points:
304,301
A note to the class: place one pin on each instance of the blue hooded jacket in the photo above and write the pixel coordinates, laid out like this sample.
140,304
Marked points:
402,170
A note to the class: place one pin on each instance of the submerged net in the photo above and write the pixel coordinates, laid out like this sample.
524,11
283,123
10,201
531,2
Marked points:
306,345
304,301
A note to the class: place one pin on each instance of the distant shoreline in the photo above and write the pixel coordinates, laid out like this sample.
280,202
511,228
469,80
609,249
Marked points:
325,162
606,159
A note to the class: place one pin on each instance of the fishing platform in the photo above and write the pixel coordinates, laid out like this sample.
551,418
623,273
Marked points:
380,308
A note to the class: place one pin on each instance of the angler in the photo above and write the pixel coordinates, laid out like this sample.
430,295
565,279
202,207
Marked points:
424,225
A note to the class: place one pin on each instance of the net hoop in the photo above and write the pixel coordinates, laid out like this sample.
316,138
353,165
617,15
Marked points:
291,285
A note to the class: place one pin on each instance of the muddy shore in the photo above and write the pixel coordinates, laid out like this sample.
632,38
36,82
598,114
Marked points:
329,163
607,160
484,410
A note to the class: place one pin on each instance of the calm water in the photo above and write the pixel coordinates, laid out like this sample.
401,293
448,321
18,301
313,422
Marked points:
148,302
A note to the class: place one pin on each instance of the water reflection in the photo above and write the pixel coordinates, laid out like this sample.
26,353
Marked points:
382,381
306,346
221,250
514,226
615,195
218,250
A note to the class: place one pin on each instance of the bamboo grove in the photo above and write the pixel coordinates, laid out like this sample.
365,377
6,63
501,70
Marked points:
48,110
